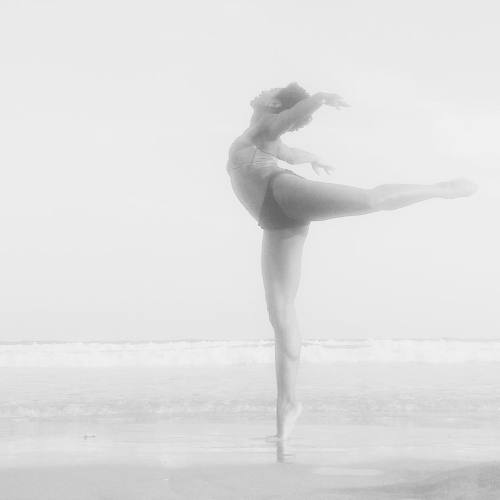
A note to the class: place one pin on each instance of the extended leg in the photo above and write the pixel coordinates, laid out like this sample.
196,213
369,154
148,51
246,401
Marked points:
281,265
312,200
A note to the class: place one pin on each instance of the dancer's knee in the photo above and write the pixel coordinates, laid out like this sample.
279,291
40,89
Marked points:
376,199
282,318
358,202
280,315
355,201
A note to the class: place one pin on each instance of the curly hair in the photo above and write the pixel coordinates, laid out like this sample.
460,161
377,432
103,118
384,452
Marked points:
291,95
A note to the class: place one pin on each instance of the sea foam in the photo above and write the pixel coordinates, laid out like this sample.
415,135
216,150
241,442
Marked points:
225,352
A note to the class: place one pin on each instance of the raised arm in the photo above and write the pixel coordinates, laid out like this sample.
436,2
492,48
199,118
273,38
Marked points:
280,123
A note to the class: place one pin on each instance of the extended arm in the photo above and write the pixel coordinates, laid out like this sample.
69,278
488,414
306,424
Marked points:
283,121
296,156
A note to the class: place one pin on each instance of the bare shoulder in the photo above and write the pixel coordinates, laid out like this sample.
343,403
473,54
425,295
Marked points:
240,148
265,127
241,142
254,136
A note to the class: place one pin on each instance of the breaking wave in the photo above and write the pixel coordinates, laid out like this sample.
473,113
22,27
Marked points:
224,352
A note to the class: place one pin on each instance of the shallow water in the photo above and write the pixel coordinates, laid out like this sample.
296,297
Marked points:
374,426
75,381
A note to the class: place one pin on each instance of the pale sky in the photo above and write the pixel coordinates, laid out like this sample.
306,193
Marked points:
118,221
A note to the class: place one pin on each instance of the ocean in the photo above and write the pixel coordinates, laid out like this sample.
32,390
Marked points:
426,382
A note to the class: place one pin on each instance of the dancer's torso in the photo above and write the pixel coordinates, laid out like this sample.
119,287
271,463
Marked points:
248,150
249,165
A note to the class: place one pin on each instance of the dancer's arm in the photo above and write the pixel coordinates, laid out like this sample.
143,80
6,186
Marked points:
296,156
282,122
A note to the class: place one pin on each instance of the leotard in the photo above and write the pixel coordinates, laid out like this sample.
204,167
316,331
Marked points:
252,172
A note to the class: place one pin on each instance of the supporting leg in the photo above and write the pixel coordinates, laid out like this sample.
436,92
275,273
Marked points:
281,264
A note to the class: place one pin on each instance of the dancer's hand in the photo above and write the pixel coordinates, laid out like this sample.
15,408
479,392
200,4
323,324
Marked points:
334,100
318,165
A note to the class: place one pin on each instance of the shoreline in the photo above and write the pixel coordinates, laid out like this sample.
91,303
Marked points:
219,461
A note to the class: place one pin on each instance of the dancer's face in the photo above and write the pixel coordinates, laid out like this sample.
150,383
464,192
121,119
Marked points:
266,99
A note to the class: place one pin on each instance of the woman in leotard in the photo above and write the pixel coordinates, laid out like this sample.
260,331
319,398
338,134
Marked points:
284,203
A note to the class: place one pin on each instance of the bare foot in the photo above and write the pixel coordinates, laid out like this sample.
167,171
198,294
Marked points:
289,416
457,188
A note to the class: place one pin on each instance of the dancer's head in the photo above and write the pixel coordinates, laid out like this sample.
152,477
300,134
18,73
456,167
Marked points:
278,99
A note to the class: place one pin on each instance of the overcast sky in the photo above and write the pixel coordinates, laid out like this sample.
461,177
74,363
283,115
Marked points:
117,218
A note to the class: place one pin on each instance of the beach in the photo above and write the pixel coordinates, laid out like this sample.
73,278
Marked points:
381,420
158,460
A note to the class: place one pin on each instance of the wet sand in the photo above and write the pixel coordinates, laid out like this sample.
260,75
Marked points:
411,481
217,461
